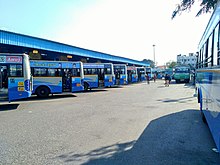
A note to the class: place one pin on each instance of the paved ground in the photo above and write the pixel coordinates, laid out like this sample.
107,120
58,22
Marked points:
133,125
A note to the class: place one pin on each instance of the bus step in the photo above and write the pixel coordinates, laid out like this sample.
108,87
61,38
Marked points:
101,83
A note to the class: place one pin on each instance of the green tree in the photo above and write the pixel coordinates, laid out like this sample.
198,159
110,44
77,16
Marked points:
185,5
171,64
152,65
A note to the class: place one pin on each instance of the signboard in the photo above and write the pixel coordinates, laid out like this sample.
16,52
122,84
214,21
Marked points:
93,65
42,64
11,59
131,68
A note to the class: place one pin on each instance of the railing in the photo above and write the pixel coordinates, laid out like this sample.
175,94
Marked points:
205,63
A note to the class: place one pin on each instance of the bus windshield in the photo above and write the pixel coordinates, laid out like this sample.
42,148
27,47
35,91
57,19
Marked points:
182,70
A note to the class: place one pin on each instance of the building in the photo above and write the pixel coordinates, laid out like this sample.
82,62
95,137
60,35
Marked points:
187,60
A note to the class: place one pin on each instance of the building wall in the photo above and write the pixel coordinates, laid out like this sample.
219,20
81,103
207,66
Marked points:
187,60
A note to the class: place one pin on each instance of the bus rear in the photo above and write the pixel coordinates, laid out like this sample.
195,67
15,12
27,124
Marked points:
149,72
141,72
15,77
98,75
132,74
182,74
121,76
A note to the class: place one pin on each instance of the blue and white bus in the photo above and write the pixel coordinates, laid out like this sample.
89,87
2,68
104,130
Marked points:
121,76
98,75
15,77
53,77
141,72
132,74
208,75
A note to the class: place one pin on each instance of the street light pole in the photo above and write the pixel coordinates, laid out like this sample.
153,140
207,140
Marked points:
154,54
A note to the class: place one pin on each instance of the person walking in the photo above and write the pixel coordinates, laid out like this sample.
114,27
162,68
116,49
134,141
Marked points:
167,80
148,79
155,77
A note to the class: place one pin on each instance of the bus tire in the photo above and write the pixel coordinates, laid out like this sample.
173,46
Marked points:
202,113
86,86
198,97
43,91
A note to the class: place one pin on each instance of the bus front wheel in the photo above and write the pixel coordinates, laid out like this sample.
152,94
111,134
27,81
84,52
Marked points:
202,113
42,91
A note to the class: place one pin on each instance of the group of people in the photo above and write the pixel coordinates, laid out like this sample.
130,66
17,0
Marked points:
148,78
167,79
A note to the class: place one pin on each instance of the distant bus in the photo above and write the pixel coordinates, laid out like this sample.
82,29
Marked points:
169,71
141,72
132,74
208,75
120,71
149,72
15,77
98,75
182,74
53,77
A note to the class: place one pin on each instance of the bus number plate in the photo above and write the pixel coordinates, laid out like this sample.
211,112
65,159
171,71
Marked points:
20,88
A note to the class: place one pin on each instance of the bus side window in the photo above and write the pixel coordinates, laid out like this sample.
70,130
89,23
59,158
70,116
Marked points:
85,71
57,72
51,72
12,70
40,72
89,71
78,73
93,71
122,71
19,70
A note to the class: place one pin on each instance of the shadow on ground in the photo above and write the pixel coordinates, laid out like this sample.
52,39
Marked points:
92,91
180,100
186,85
116,86
51,97
176,139
8,107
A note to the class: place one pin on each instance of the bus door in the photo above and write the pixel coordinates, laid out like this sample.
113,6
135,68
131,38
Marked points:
117,76
129,76
139,75
67,80
3,81
101,77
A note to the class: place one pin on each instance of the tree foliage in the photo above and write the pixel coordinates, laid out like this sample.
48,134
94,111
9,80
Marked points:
149,62
171,64
185,5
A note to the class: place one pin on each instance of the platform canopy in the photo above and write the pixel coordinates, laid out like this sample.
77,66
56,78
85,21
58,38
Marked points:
20,40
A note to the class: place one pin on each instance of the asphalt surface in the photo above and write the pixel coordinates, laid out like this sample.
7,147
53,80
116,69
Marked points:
136,124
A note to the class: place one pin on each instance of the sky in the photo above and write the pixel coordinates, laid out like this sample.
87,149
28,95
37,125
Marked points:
126,28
